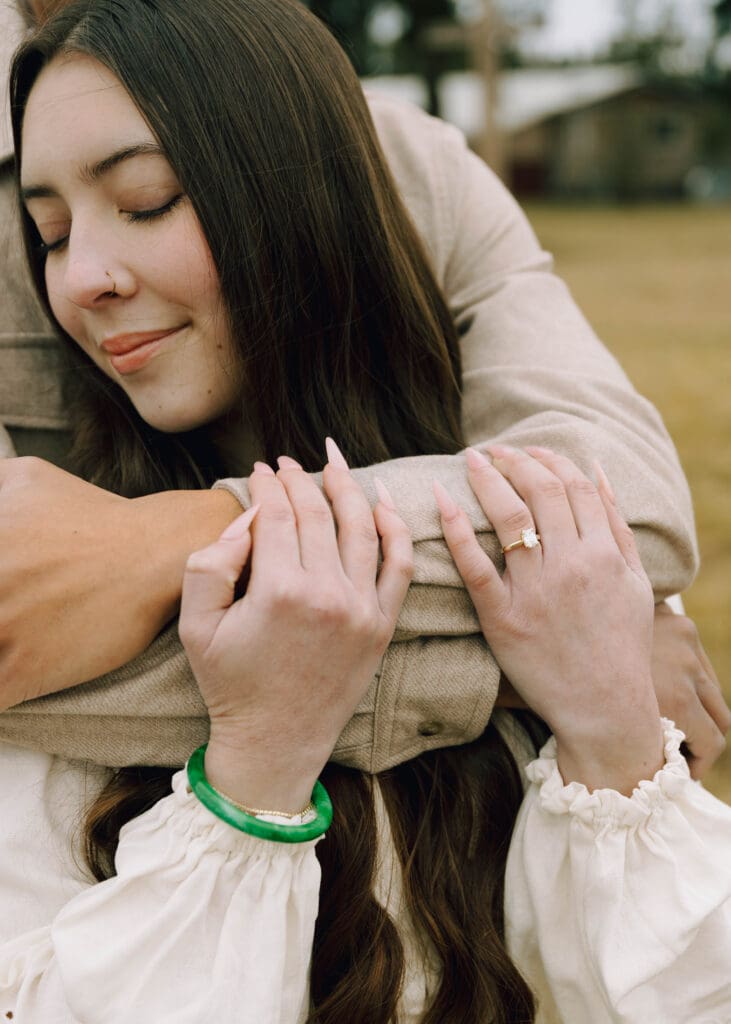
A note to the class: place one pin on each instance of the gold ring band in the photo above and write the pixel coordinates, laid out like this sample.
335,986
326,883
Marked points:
528,539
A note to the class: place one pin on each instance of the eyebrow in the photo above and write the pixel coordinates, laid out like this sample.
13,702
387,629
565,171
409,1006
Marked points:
93,173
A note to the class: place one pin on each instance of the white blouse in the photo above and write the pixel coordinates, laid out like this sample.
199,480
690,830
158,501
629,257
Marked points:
618,909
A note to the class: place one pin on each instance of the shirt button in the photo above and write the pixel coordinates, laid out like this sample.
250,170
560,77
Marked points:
430,728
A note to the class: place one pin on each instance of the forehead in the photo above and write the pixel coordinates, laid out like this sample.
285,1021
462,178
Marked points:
77,113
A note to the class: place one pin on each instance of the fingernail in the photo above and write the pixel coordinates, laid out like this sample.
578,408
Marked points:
240,525
284,462
334,456
383,495
261,467
447,506
534,449
500,451
475,459
603,481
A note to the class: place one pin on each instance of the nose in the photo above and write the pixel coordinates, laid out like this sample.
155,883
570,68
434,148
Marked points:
94,273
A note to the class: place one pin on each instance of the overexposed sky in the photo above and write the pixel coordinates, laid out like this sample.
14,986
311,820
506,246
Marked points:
584,27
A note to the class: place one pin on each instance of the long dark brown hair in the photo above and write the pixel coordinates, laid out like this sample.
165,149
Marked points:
340,328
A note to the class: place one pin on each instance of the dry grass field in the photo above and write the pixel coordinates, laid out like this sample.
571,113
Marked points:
655,281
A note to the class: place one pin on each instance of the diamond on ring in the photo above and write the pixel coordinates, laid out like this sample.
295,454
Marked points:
528,539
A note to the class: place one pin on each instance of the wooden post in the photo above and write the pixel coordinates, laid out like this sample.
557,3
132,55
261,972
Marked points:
484,45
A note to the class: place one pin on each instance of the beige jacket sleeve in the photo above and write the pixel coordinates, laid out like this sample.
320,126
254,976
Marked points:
534,372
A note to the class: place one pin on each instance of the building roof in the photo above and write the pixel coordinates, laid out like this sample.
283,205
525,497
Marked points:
527,96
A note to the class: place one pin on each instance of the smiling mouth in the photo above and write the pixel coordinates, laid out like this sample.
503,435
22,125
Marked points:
129,353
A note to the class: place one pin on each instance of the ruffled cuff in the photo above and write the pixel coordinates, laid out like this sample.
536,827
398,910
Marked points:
607,806
184,817
200,920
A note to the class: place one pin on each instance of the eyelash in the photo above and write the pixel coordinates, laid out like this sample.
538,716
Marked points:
133,216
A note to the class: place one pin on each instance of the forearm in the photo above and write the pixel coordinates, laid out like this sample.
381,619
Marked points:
187,521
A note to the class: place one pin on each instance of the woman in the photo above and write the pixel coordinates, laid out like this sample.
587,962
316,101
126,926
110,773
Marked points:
133,277
534,373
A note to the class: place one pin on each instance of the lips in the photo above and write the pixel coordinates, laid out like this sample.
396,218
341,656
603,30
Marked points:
130,352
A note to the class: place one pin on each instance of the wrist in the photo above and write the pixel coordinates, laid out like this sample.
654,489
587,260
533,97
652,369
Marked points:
252,779
264,824
613,761
174,524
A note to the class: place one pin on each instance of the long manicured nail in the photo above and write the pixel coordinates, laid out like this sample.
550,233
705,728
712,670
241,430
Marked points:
475,459
334,456
261,467
240,525
383,494
447,506
284,462
603,481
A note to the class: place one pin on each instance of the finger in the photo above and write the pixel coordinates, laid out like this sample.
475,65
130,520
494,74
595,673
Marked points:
397,568
357,531
276,542
707,684
480,576
623,536
506,510
543,493
587,507
315,525
711,695
210,579
703,740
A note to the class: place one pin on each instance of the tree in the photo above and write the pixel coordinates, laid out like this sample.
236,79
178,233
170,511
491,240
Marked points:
722,18
651,49
718,69
348,20
351,21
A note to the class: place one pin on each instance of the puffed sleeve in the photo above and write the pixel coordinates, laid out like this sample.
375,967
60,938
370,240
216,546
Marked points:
618,909
201,923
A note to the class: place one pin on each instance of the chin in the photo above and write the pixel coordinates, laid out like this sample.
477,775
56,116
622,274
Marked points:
172,421
178,420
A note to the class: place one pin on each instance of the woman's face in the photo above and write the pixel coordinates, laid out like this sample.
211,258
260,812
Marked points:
129,273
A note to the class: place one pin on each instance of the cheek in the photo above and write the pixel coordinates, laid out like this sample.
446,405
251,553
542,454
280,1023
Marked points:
195,273
188,281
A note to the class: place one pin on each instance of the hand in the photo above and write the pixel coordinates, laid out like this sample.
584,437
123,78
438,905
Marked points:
687,689
87,578
571,620
283,668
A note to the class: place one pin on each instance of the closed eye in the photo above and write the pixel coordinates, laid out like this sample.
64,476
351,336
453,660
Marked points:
133,216
45,247
140,216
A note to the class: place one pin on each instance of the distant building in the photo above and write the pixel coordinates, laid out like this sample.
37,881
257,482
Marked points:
594,132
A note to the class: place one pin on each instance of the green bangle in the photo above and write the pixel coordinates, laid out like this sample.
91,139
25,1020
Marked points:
234,816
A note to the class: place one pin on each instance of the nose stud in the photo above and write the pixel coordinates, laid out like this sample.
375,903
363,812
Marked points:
113,289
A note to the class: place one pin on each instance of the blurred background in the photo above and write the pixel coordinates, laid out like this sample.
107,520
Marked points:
611,121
